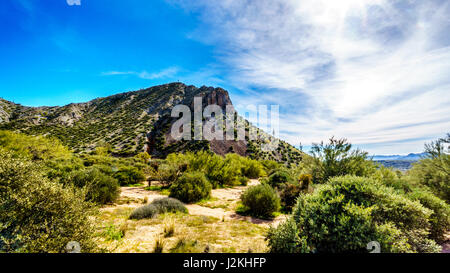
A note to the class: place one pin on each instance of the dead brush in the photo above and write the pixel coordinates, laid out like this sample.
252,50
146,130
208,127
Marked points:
169,229
159,245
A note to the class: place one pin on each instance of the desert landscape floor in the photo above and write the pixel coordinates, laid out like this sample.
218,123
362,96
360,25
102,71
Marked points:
211,225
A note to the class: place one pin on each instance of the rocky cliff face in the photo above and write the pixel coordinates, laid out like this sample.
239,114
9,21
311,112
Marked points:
5,111
131,122
161,143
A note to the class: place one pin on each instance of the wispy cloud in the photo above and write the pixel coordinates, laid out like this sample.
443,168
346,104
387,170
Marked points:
374,71
165,73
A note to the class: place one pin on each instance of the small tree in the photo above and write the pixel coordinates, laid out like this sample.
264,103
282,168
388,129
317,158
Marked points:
337,158
38,215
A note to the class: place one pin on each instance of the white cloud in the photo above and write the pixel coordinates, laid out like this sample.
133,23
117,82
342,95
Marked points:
165,73
374,71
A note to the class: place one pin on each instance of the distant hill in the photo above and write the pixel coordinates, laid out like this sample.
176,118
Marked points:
133,122
409,157
401,162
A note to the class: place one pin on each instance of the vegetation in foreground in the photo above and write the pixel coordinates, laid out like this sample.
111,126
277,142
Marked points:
339,200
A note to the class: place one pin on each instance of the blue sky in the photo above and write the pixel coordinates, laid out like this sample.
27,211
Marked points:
374,71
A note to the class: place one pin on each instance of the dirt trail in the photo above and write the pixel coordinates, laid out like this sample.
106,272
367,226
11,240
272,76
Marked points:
446,245
229,196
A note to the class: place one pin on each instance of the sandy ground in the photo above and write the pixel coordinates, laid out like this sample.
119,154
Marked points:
446,245
227,197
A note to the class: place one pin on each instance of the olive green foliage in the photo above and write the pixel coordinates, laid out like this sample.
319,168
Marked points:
434,171
191,187
97,174
288,196
127,175
349,212
158,206
337,158
261,200
169,205
38,215
412,189
270,166
35,148
280,177
440,216
285,238
144,157
220,171
100,187
144,212
291,190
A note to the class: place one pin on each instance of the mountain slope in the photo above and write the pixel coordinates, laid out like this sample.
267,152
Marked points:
132,122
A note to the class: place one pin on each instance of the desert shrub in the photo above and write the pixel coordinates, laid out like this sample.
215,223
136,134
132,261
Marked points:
100,188
279,177
349,212
144,212
169,229
433,173
59,168
171,168
169,205
38,215
127,175
440,216
144,157
337,158
243,180
390,178
285,239
270,166
158,206
261,200
112,233
251,168
33,147
191,187
305,182
217,171
159,245
289,195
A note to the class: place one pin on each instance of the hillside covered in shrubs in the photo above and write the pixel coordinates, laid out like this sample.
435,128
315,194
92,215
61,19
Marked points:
133,122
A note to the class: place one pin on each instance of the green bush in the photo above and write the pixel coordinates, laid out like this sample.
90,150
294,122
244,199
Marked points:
127,175
289,195
279,177
100,188
284,239
251,168
191,187
439,218
270,166
433,173
305,182
337,158
38,215
168,204
261,200
33,147
349,212
158,206
219,171
144,212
